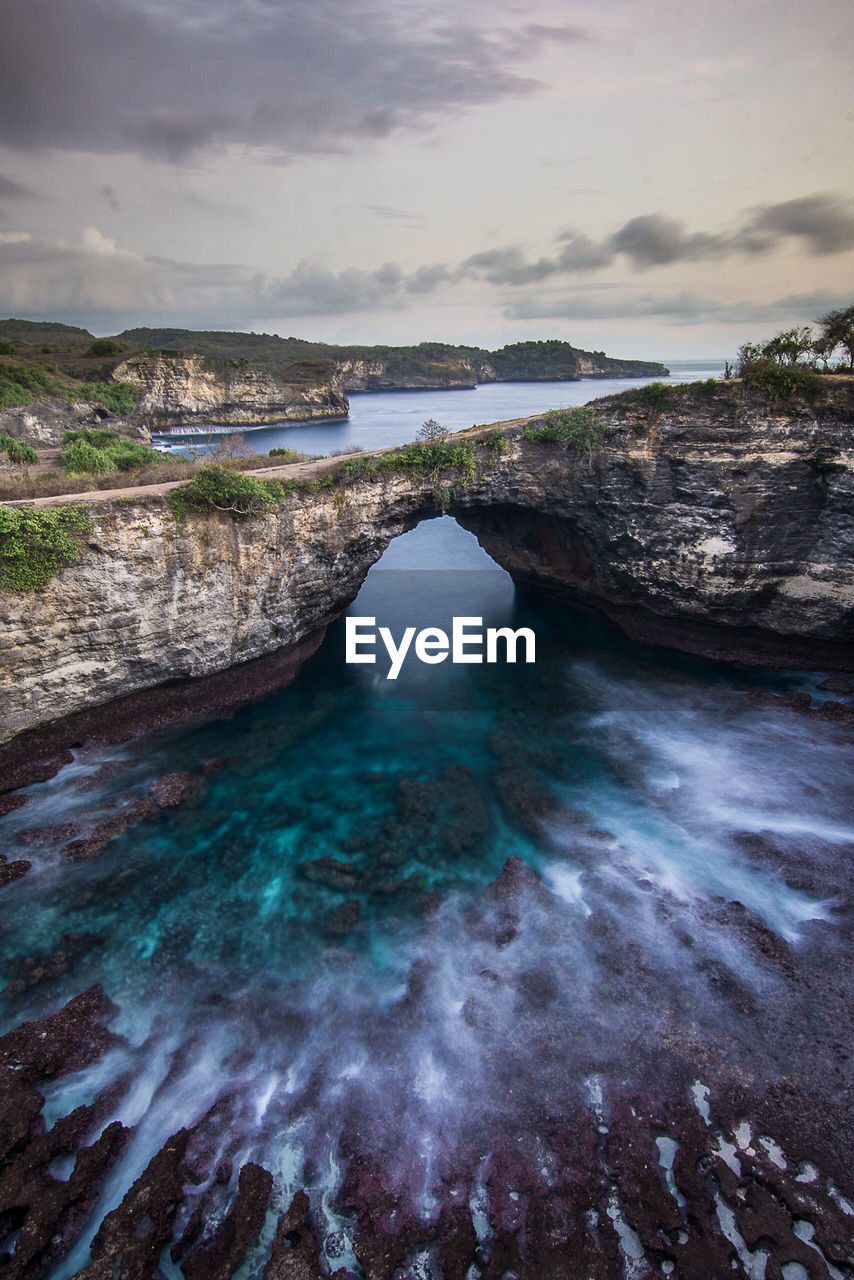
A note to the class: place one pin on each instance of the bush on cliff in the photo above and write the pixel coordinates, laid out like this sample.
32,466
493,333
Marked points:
18,451
579,429
34,545
99,452
217,488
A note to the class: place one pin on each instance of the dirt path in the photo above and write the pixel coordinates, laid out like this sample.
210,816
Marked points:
290,471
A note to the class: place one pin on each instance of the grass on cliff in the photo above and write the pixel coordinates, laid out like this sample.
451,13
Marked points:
20,384
35,545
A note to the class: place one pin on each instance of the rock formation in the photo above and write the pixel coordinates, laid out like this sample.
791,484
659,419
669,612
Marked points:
721,525
179,390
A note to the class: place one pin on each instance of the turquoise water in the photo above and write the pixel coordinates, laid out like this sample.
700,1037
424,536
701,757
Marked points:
393,994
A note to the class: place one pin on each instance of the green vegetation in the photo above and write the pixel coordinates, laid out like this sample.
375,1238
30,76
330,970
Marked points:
38,332
7,348
20,384
217,488
99,452
579,429
18,451
787,364
300,362
34,545
288,455
777,382
121,397
432,456
837,330
105,347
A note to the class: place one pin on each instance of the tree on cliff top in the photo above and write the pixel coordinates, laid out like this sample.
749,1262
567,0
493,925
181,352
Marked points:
838,331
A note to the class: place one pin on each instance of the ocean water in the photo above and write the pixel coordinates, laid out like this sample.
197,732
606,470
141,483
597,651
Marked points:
320,949
380,419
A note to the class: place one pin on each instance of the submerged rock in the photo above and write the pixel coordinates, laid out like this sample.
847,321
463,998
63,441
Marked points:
344,918
330,872
175,789
12,871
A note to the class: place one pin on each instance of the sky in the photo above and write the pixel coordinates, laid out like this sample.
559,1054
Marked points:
661,180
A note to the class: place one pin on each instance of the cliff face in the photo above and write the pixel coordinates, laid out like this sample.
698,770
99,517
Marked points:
720,526
461,369
187,389
391,375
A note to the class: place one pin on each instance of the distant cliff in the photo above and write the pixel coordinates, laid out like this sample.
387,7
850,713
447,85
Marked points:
427,366
179,390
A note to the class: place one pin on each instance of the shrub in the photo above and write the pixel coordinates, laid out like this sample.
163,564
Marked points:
105,347
217,488
579,429
18,450
34,545
82,457
7,348
100,451
776,381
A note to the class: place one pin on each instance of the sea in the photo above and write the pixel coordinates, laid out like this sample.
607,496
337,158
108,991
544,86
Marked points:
387,922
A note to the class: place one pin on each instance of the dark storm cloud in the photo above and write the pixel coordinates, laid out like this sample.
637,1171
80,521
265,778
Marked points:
297,77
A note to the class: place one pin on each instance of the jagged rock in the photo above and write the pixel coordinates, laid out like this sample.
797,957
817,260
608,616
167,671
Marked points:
296,1253
53,1211
107,829
9,804
220,1254
60,833
131,1238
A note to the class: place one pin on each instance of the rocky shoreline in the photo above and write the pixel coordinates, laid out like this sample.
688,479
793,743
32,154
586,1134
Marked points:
699,1156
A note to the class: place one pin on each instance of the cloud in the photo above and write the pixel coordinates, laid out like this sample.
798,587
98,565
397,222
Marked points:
312,290
824,221
298,77
653,240
10,190
96,277
683,308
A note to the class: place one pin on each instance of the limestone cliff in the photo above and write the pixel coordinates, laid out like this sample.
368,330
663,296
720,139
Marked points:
428,375
180,390
720,525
